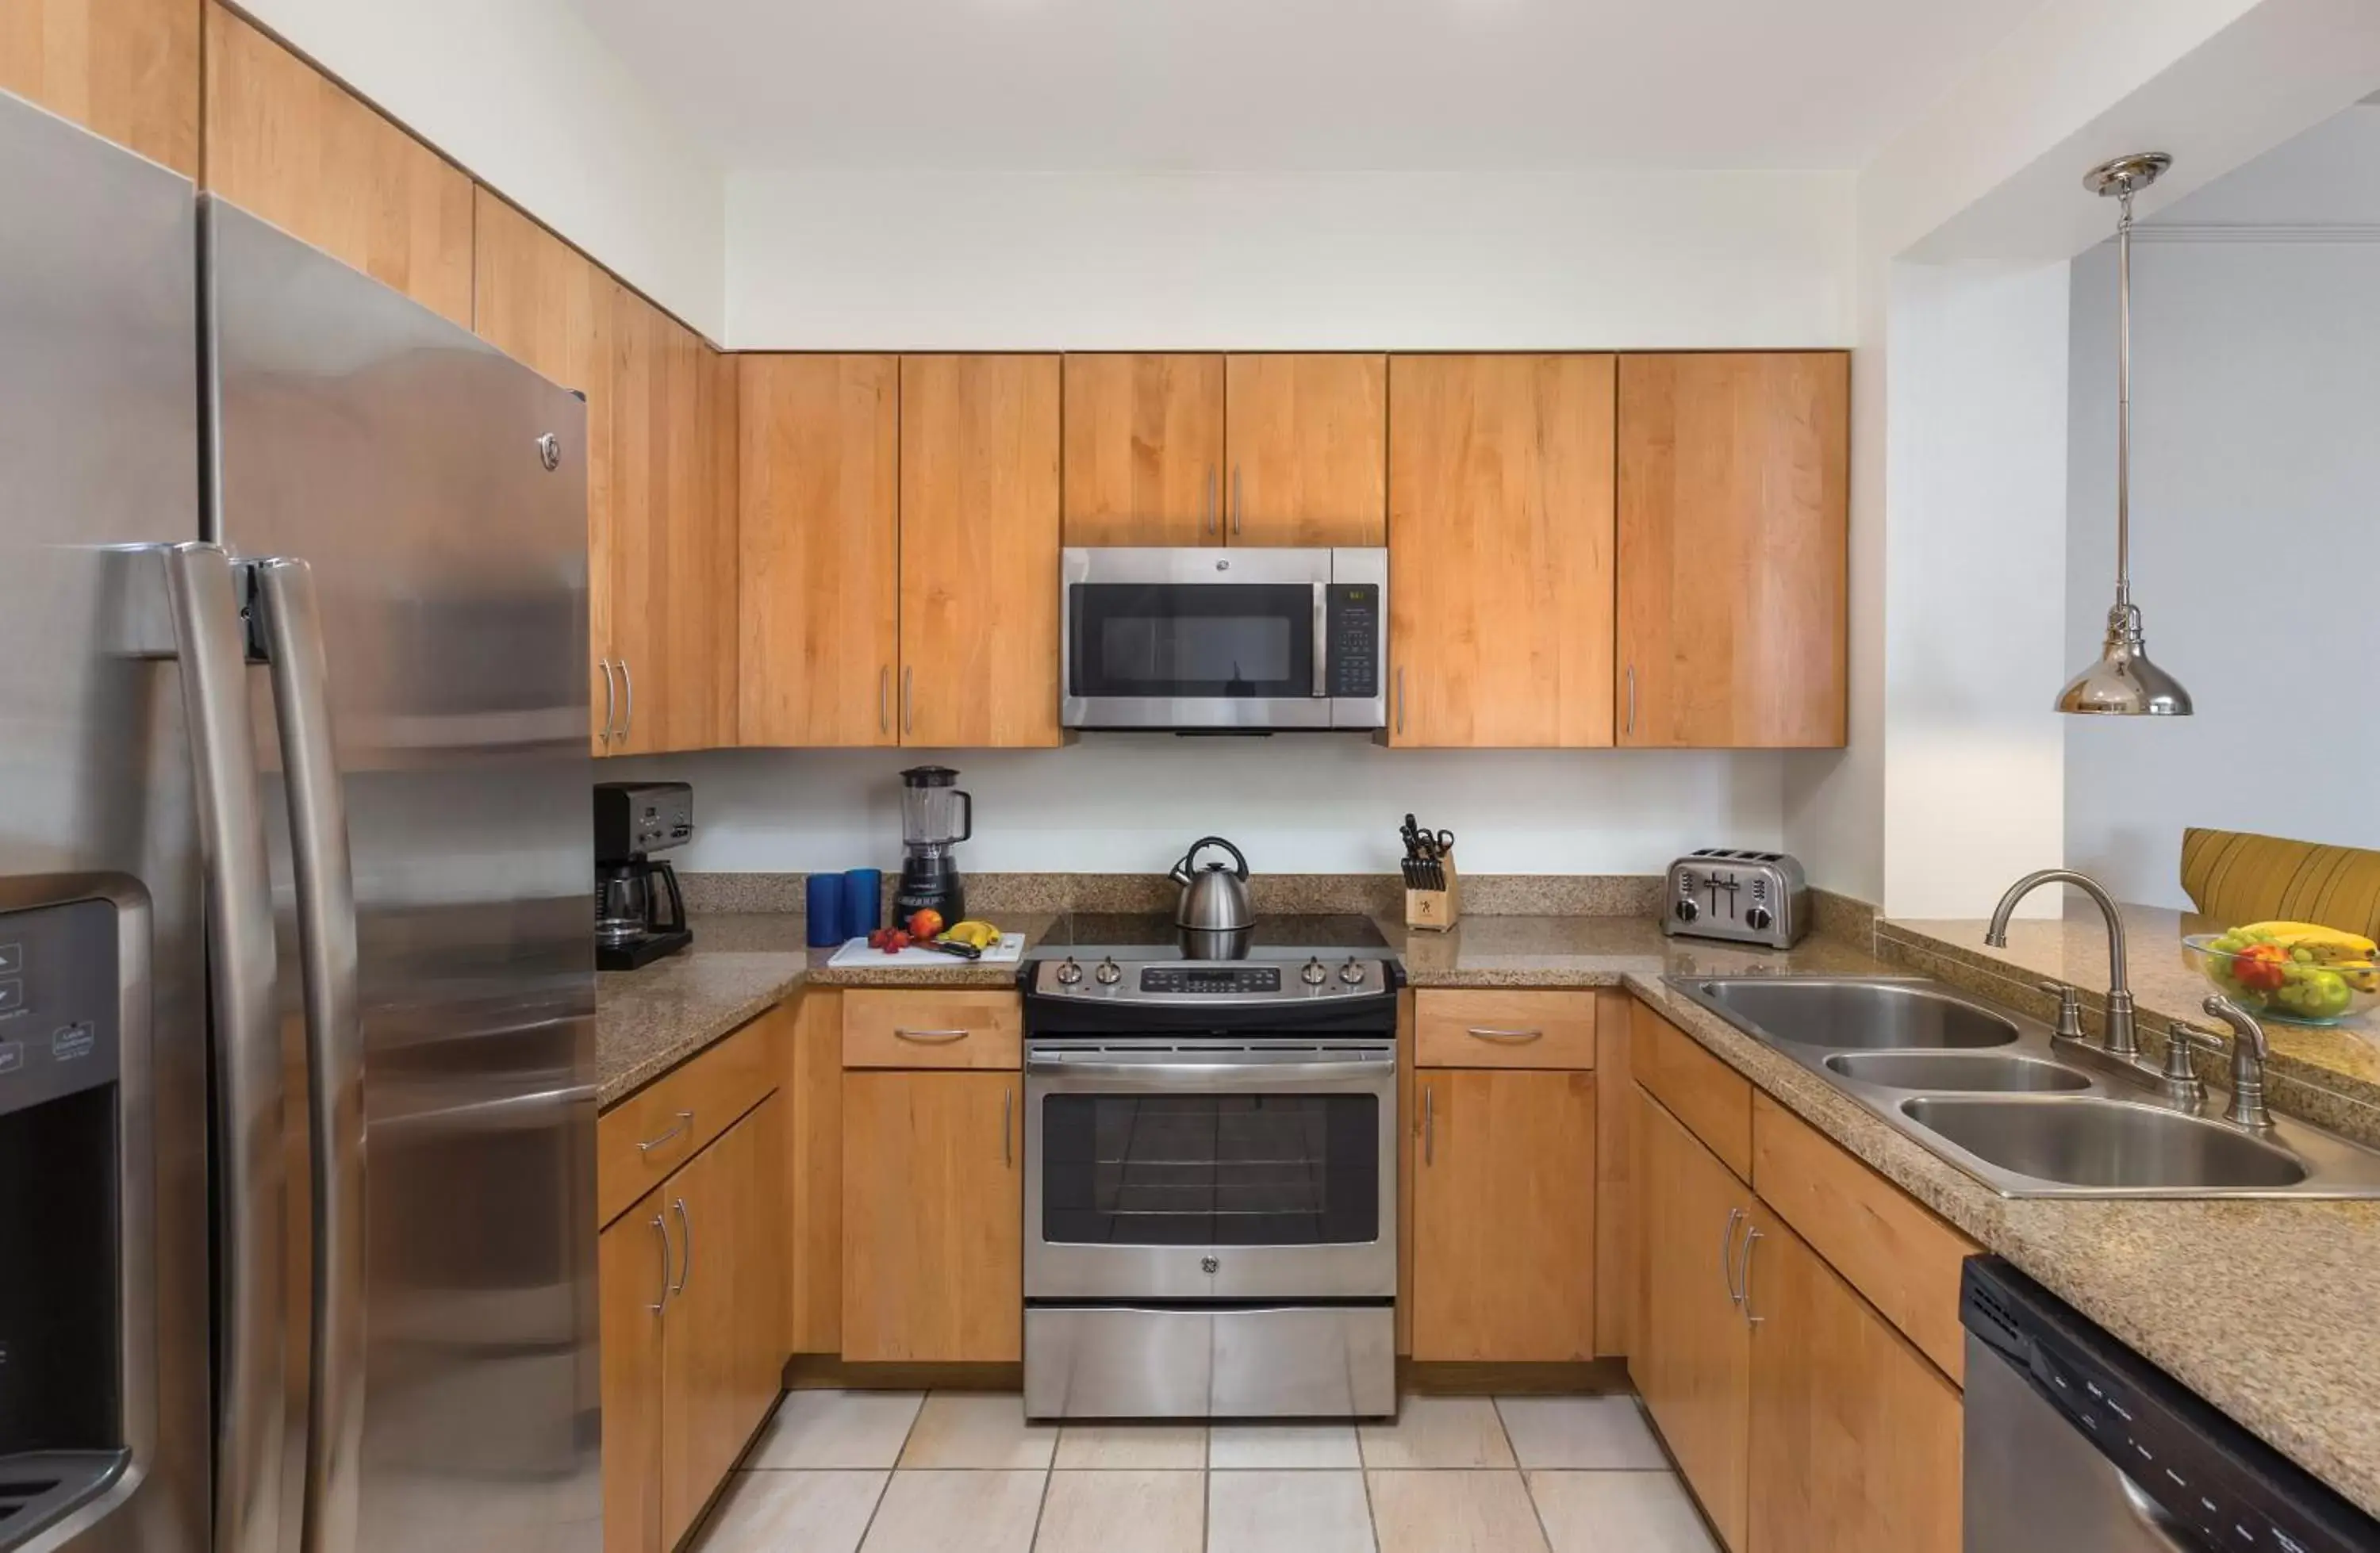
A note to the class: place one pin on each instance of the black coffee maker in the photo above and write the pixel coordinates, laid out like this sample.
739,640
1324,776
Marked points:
639,914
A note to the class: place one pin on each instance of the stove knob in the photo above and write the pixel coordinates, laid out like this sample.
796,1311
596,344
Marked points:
1108,972
1688,911
1069,972
1758,920
1314,974
1351,972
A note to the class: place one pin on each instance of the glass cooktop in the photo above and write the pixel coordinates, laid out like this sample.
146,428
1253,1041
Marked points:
1153,936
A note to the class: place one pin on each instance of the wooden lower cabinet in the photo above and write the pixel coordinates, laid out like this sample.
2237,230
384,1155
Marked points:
1855,1437
693,1298
1503,1222
933,1253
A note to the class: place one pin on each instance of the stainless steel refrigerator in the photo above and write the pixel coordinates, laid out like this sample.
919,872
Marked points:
297,985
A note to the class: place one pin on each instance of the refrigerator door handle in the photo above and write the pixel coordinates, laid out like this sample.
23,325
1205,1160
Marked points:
289,628
204,636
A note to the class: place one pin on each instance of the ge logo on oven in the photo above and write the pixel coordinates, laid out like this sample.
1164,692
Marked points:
1209,1264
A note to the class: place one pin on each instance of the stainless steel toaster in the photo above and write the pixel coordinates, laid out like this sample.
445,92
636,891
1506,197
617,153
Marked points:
1740,897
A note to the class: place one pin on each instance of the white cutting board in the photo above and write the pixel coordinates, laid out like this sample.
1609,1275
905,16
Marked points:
1007,952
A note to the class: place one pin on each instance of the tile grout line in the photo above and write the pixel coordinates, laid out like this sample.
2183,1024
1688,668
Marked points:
885,1489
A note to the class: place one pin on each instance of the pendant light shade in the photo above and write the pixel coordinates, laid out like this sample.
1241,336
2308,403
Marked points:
2123,682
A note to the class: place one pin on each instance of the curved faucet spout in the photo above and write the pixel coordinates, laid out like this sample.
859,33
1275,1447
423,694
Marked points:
2122,1041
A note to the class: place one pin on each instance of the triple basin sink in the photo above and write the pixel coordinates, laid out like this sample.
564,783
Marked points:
1996,1095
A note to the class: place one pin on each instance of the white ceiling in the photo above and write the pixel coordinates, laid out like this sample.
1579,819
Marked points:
1299,85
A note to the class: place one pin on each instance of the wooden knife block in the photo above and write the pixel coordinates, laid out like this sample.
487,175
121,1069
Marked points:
1435,911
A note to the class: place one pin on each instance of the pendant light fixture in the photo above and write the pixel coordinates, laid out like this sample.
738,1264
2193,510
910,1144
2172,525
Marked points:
2123,682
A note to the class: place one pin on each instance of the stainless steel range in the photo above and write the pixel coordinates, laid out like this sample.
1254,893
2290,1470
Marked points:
1210,1173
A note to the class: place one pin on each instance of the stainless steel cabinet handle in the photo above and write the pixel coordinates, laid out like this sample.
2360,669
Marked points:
611,700
1515,1036
1207,520
323,875
1239,514
1429,1124
908,698
202,631
684,1244
1401,699
662,1304
1007,1105
627,717
929,1038
685,1120
1632,698
1727,1257
884,700
1752,1238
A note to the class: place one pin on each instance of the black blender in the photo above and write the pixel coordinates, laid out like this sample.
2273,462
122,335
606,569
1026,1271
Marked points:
935,817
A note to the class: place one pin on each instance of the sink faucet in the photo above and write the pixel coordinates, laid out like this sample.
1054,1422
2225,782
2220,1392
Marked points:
2250,1053
2122,1041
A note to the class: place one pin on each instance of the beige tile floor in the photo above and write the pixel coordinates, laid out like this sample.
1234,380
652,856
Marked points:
847,1472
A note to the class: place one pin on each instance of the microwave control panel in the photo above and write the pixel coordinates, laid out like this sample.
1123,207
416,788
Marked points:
1353,622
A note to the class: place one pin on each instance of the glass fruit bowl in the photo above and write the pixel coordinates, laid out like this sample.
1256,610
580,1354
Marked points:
2294,985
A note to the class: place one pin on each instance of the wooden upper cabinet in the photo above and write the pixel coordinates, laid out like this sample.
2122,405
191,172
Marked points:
1306,440
820,548
286,143
550,307
639,549
1143,456
979,547
125,69
1733,506
1500,550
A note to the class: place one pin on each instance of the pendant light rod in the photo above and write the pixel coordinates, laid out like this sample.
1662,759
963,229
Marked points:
2124,177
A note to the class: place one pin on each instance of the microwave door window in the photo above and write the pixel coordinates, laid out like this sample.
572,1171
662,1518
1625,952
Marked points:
1204,641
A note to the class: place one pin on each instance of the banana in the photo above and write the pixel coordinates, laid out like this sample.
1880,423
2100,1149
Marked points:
974,932
2329,945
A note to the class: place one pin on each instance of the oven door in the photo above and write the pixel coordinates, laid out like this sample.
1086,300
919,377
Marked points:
1196,639
1211,1168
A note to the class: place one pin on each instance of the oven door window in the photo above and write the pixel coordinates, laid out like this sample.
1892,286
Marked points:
1210,1170
1191,640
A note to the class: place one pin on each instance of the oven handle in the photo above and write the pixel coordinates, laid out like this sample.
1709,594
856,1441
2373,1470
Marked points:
1178,1076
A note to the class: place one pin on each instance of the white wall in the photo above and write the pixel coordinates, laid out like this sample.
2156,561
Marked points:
523,95
1285,261
1294,804
2257,514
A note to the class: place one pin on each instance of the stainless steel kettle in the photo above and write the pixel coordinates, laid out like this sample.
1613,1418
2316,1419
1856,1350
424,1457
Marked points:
1215,898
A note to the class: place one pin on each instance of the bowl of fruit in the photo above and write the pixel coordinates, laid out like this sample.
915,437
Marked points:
2299,973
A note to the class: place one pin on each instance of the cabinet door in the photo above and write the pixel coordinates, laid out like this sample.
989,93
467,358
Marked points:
550,307
1144,460
819,548
726,1343
1692,1357
1855,1437
933,1217
1499,552
286,143
1306,440
1504,1215
123,70
1734,491
639,511
698,662
635,1267
980,551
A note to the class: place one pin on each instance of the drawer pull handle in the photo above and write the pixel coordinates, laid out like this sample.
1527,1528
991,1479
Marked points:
684,1244
1506,1034
929,1038
685,1120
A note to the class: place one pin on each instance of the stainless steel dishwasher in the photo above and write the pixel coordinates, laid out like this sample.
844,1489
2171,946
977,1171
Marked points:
2074,1441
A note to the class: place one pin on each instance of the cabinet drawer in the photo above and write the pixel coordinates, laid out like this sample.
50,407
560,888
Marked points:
659,1128
1711,1098
1886,1243
1500,1029
885,1028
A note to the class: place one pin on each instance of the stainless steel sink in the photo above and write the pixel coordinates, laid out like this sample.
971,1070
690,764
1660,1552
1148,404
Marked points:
2087,1141
2030,1115
1838,1013
1962,1072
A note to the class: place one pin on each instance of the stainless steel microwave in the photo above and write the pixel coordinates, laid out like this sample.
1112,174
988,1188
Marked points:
1244,640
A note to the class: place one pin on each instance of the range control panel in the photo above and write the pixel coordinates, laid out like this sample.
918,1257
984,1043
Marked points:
59,1003
1213,982
1095,976
1353,626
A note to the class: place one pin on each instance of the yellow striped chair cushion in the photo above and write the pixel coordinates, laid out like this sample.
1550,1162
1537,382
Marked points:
2237,878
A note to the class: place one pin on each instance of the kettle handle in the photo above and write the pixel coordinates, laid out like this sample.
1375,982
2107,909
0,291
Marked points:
1190,857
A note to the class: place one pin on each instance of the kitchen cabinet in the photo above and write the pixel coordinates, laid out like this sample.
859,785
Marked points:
286,143
692,1292
1306,440
1733,511
1143,450
125,69
1500,489
551,307
980,542
1504,1219
1855,1440
820,547
932,1216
